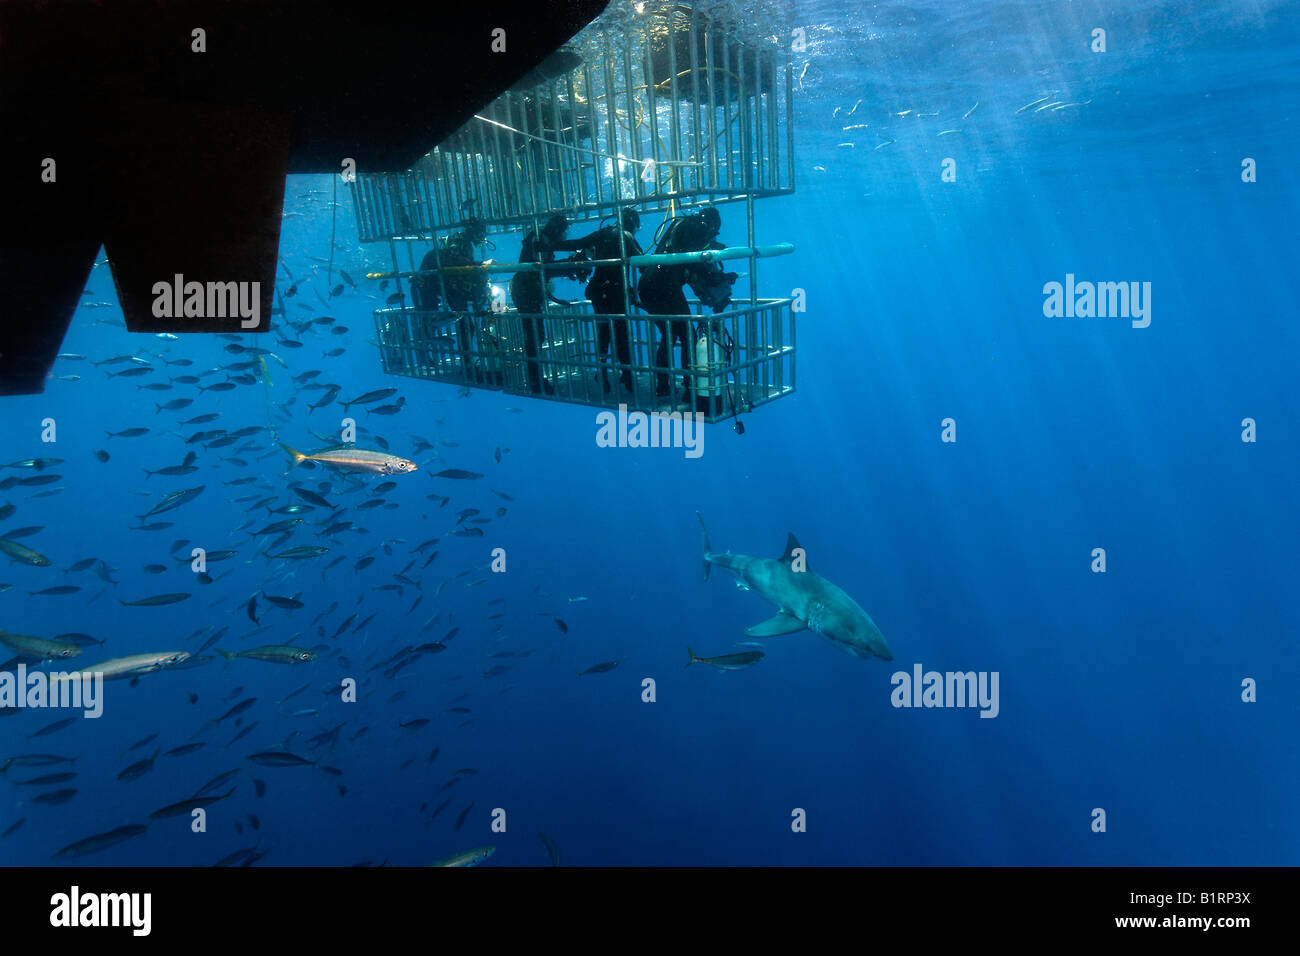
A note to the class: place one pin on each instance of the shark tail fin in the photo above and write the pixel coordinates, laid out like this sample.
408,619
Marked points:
693,657
704,534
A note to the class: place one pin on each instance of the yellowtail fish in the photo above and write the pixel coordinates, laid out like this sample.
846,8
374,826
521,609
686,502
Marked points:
102,841
131,666
727,662
24,554
355,459
468,858
276,653
39,647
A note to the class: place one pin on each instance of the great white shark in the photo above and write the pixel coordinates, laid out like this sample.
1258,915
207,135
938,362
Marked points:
804,600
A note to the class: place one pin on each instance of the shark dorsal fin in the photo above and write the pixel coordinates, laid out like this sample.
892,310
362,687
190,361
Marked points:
791,542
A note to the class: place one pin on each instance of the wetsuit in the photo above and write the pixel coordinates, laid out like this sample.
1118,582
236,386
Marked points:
526,289
660,292
465,293
605,290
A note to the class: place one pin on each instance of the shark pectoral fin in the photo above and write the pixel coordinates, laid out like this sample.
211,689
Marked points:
775,626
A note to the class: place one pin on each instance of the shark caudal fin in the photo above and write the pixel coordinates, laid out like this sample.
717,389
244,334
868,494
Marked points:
693,659
704,534
297,456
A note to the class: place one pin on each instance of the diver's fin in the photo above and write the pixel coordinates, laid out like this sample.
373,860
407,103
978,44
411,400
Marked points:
791,543
704,533
782,623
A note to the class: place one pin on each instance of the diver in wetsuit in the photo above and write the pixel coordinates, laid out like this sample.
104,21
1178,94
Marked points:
528,288
605,290
466,292
660,288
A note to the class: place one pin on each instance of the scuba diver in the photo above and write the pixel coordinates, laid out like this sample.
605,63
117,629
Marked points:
660,289
606,291
528,288
467,292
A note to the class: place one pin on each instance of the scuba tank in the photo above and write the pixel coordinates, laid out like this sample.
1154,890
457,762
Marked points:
708,363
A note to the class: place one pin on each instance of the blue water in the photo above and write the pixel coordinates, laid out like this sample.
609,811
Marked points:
1120,691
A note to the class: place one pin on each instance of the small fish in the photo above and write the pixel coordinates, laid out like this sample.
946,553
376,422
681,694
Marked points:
174,500
55,797
139,768
311,497
35,760
184,749
156,600
460,820
457,473
304,551
280,758
1042,99
355,459
54,728
39,648
564,628
277,654
48,779
368,397
969,111
286,603
131,666
727,662
552,850
468,858
23,554
102,841
602,668
186,806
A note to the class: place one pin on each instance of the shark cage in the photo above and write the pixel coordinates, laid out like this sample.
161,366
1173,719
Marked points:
665,108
